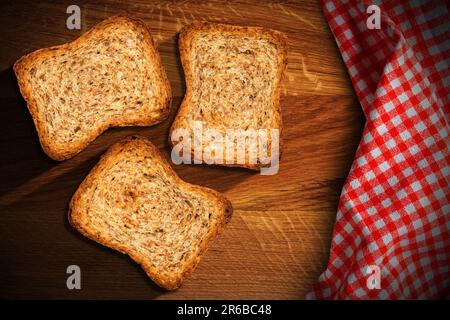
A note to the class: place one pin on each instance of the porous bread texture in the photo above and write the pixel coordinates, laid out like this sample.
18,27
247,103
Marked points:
134,202
110,76
233,77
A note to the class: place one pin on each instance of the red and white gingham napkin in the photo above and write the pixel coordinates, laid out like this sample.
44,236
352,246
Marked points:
394,209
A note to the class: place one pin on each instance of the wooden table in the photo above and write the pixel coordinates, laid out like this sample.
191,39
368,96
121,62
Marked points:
279,239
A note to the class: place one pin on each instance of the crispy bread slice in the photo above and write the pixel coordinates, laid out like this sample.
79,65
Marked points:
233,77
110,76
133,201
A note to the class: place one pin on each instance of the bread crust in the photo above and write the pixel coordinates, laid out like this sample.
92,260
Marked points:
64,151
185,47
76,209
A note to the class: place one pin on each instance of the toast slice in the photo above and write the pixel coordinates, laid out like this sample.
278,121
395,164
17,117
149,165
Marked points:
233,76
110,76
133,201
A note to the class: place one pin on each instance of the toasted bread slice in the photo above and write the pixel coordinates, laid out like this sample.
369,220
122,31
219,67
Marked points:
134,202
110,76
233,77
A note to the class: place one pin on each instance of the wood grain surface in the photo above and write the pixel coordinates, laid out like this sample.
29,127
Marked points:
279,239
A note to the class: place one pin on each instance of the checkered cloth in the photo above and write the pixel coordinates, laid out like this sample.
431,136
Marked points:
393,213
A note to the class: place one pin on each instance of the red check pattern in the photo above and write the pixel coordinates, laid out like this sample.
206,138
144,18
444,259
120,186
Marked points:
394,208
